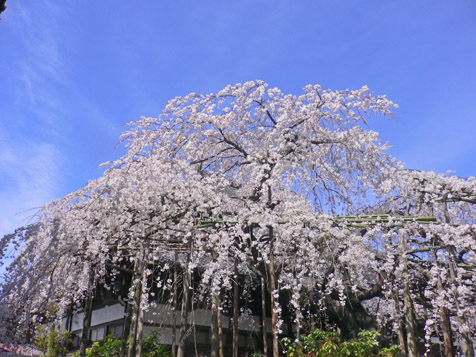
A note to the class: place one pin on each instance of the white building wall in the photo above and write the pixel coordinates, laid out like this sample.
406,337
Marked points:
160,316
99,316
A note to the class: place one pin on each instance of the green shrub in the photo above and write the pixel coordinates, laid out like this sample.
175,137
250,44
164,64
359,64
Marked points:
150,347
111,346
330,344
52,342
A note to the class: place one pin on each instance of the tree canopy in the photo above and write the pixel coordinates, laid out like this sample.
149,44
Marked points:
256,183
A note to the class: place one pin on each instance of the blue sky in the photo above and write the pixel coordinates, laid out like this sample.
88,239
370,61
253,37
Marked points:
72,72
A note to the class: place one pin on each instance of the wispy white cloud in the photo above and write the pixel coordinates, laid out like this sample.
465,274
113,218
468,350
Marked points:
45,105
30,159
30,178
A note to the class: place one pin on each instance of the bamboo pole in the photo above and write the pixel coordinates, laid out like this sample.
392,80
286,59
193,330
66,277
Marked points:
350,221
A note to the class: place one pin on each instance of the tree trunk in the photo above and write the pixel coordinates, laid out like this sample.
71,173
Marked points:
298,317
214,328
134,320
88,309
220,330
140,329
235,310
408,306
401,329
445,322
214,335
140,318
272,282
467,342
174,327
446,328
184,312
131,351
125,330
311,315
468,348
263,317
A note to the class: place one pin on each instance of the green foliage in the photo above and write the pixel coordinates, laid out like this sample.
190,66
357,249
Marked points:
150,347
111,346
330,344
52,342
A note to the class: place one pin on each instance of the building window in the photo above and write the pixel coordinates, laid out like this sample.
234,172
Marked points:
115,330
96,334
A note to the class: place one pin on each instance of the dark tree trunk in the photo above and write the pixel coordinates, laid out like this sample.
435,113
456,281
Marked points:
125,330
136,307
214,328
140,329
184,312
401,328
174,303
220,330
88,309
263,317
410,323
235,310
272,282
